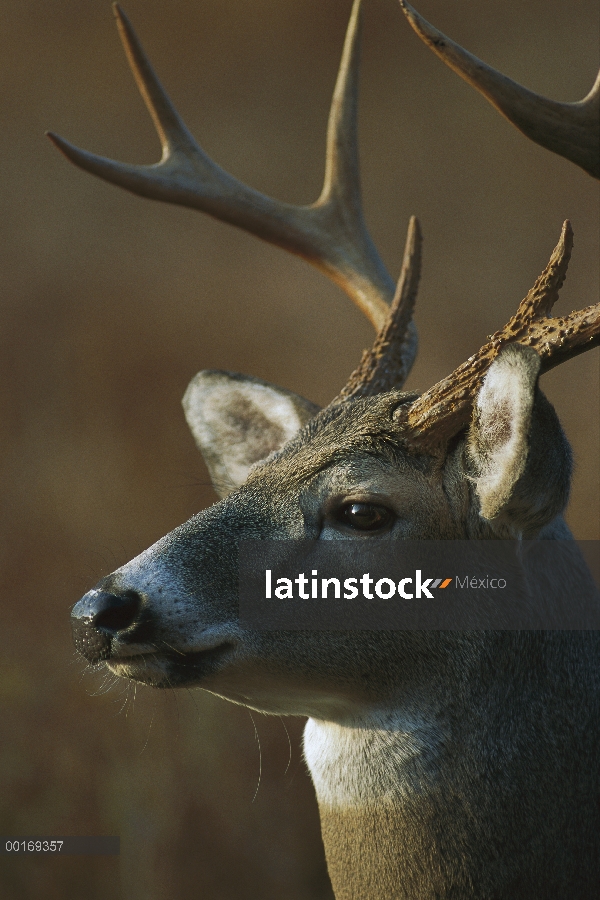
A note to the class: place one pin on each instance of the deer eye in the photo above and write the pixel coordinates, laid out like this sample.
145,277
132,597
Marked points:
364,516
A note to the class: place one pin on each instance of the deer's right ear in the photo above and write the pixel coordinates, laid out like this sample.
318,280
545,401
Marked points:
237,421
519,456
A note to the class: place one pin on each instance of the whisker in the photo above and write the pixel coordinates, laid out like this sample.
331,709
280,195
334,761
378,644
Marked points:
174,649
149,727
259,755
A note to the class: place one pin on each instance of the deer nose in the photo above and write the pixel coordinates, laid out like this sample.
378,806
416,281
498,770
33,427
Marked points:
99,617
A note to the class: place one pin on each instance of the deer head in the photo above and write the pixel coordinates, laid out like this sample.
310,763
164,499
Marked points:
480,455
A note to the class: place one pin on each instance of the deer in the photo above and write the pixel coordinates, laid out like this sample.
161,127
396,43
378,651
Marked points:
446,764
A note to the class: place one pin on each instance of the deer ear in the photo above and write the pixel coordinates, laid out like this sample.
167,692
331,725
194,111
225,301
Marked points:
520,456
237,421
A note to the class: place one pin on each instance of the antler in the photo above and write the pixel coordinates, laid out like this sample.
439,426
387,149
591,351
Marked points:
330,233
383,368
570,129
445,408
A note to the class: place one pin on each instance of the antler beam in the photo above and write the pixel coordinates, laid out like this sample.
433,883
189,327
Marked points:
570,129
446,408
330,233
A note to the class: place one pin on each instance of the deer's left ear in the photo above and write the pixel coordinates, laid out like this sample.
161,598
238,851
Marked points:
237,421
520,459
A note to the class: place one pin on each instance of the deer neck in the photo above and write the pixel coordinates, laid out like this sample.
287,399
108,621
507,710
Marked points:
407,812
375,781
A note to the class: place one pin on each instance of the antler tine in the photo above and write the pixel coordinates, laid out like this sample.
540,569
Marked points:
169,125
330,233
445,408
571,130
387,364
339,208
168,180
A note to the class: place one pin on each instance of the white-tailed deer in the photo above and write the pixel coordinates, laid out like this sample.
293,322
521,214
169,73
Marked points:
446,764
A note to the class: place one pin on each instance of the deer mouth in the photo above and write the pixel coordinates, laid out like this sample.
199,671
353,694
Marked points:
171,668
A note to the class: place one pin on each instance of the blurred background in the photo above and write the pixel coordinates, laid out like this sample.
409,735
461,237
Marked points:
111,303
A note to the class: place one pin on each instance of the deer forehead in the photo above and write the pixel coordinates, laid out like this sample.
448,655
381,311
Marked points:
315,479
353,442
374,478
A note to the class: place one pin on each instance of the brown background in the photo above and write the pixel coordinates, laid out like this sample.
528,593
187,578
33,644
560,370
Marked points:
109,305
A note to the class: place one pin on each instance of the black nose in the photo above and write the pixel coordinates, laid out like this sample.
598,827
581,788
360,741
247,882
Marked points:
100,616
